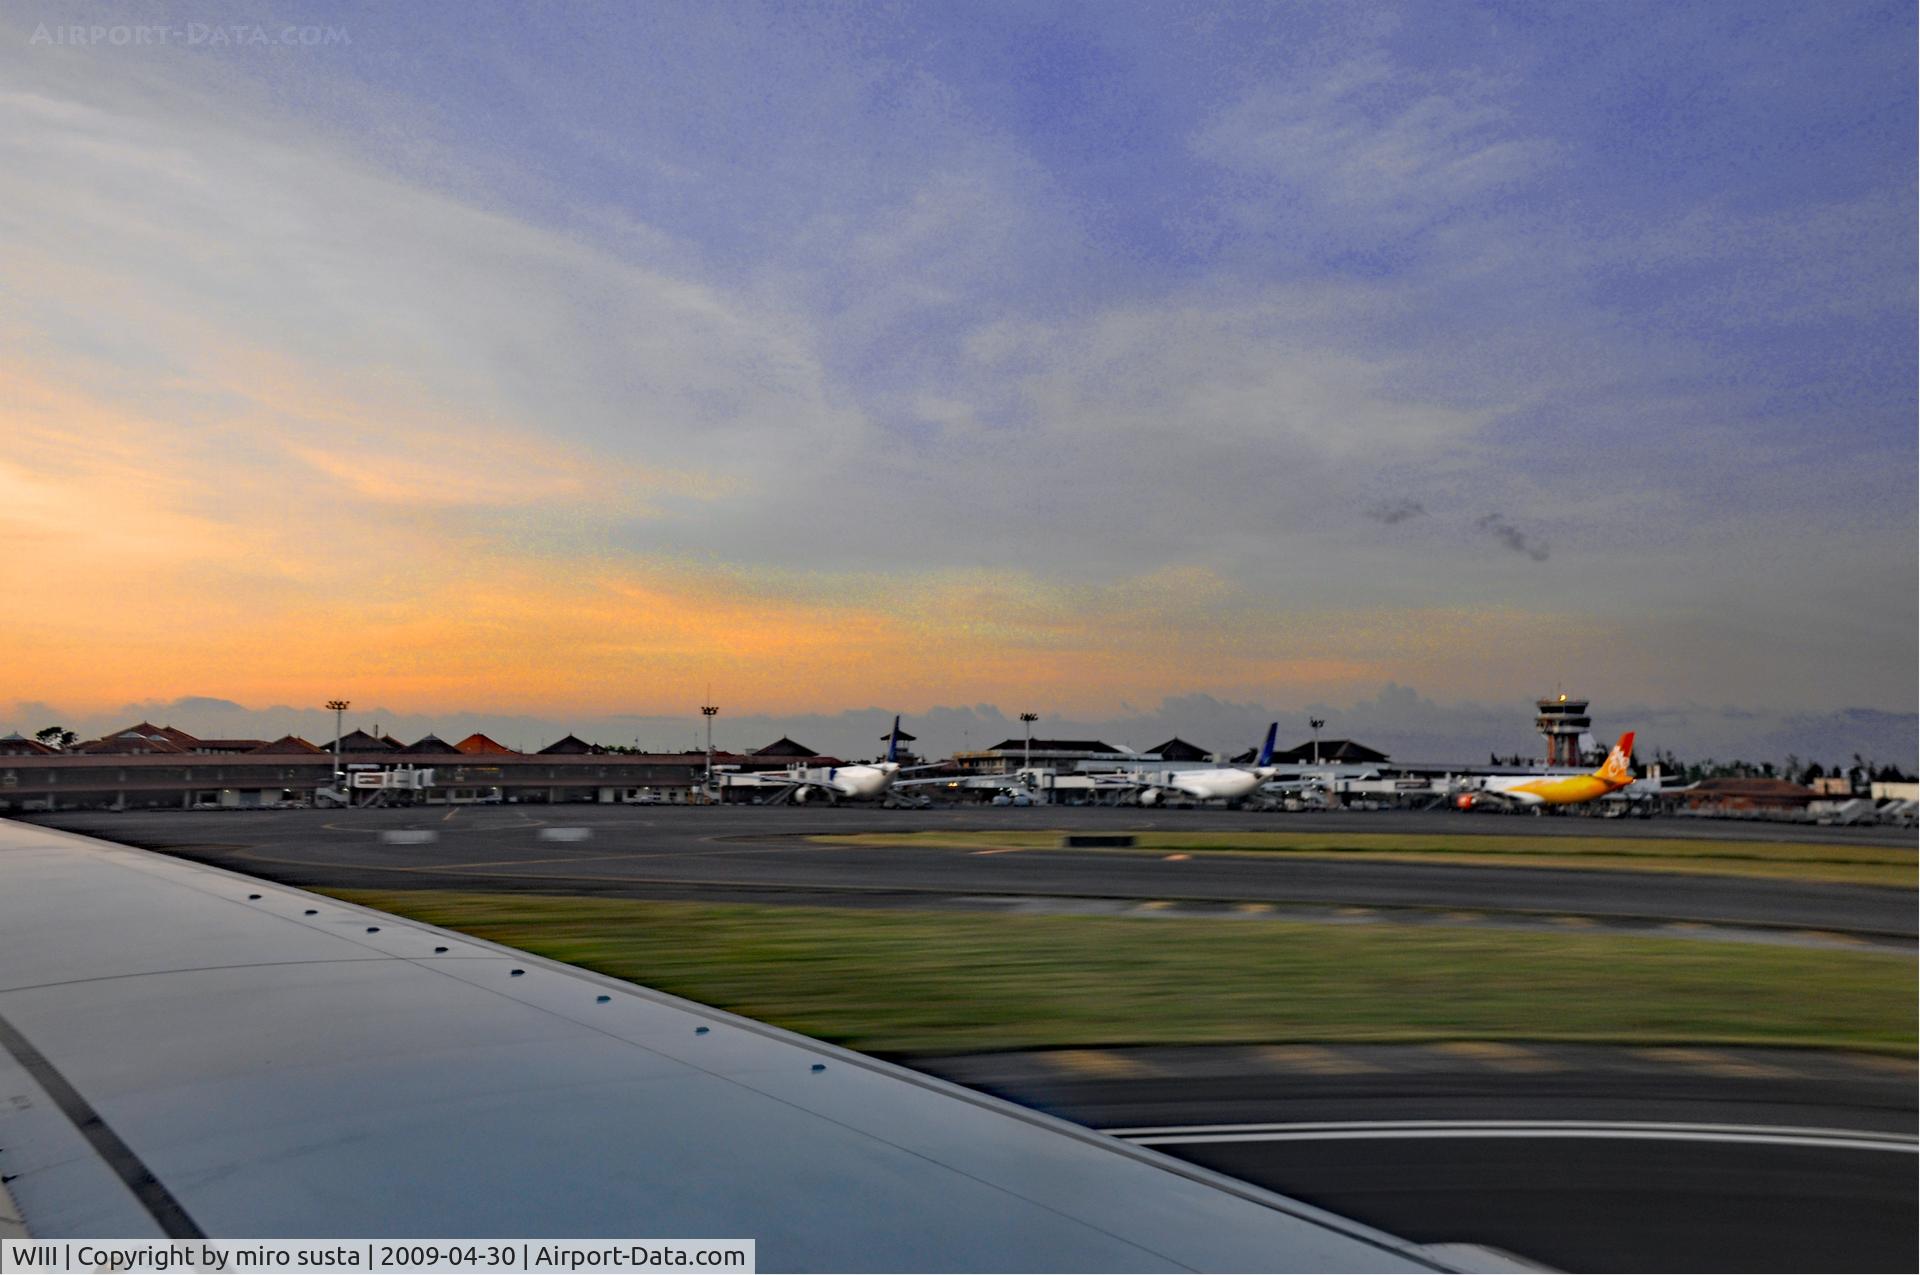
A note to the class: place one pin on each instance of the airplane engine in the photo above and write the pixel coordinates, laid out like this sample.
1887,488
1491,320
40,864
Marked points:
1465,801
1150,797
802,795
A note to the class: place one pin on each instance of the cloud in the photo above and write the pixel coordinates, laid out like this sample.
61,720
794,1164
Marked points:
1393,512
1373,138
925,387
277,285
1512,537
1823,260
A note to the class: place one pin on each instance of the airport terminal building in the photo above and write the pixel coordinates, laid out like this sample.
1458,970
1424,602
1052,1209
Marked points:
159,767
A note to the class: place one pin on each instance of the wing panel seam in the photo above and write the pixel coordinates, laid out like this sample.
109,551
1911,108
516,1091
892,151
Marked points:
166,1211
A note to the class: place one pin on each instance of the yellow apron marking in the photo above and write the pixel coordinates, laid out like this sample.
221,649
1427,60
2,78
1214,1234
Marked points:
1499,1056
1316,1060
1716,1063
1103,1064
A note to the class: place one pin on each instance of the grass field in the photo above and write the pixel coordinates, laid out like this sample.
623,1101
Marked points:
1896,866
899,982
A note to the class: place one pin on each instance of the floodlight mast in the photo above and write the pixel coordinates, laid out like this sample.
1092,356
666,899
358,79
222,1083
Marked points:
338,706
1026,752
1316,723
707,711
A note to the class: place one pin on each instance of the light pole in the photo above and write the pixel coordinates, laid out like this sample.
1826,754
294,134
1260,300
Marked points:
707,711
1316,723
1026,753
338,706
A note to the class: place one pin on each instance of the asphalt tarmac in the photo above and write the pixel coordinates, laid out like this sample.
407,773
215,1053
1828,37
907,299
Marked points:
758,854
1658,1159
1580,1158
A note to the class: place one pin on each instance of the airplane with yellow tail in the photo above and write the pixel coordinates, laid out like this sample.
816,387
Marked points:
1556,790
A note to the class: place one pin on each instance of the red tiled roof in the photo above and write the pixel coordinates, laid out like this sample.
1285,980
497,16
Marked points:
179,737
286,744
481,745
144,738
1735,786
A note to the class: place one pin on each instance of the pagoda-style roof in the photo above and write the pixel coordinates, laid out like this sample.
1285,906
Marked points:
1336,752
1056,746
291,745
143,737
358,741
571,745
785,747
428,743
1178,749
480,745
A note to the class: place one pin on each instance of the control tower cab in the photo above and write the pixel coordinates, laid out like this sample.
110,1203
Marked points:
1562,722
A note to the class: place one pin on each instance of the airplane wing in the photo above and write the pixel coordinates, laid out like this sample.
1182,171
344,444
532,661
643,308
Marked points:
1509,798
960,781
1120,779
763,779
185,1051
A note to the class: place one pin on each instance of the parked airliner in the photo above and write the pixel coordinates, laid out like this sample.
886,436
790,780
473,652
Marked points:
869,781
1218,783
1556,790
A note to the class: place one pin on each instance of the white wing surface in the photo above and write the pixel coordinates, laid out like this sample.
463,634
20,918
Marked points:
185,1050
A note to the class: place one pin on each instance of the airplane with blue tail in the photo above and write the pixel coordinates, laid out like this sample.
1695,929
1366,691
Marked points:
1214,783
868,781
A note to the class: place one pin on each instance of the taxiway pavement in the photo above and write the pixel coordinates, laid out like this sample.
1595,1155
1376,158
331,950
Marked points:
762,855
1577,1157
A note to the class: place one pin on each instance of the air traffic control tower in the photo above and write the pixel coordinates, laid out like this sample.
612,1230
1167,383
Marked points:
1562,721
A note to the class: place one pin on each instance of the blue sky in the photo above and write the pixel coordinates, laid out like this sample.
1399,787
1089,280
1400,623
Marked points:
1275,353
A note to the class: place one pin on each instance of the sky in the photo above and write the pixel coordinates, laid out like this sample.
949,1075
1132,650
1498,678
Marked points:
1124,363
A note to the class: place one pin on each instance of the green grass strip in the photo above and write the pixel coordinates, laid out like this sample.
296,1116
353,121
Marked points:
1895,866
897,982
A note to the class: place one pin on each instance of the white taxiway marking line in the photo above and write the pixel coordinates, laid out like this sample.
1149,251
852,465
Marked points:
1661,1131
